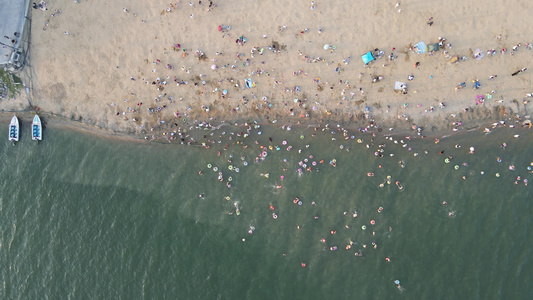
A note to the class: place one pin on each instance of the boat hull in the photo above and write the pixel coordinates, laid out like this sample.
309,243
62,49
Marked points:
14,129
36,129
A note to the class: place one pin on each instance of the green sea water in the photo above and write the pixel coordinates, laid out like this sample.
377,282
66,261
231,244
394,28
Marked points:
85,217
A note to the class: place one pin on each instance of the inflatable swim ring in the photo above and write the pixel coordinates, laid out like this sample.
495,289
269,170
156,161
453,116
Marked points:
209,166
215,169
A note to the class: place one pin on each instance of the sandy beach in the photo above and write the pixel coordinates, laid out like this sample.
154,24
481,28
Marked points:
149,68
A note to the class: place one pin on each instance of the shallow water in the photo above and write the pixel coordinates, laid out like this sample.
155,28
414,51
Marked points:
88,217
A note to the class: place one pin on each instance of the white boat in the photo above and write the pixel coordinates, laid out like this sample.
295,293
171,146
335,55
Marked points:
14,130
36,129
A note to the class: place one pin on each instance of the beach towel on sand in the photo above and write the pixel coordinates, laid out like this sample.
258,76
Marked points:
367,57
421,47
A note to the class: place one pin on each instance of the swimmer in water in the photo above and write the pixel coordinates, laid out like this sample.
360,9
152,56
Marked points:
399,185
236,204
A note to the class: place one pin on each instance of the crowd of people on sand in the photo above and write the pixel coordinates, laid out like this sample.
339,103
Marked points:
300,107
236,83
246,87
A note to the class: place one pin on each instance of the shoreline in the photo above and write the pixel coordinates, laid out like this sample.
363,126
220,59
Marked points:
194,132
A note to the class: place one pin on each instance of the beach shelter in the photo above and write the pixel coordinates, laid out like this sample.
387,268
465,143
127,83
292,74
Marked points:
367,57
421,47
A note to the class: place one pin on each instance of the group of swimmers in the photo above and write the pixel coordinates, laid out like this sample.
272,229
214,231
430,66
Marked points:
366,141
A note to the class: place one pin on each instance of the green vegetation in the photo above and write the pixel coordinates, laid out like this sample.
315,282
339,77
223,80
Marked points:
9,84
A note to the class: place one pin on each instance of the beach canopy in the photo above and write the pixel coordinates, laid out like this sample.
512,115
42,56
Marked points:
368,57
421,47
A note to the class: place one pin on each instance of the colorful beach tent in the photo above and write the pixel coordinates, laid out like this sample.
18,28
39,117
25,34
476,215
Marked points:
368,57
421,47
